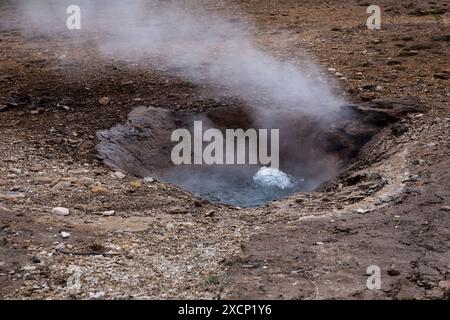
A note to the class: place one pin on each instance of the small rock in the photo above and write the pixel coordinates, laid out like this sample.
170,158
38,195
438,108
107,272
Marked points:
99,189
11,159
104,101
361,210
407,53
435,293
445,285
65,234
209,213
149,180
393,62
441,38
60,247
367,96
393,271
135,184
29,268
97,296
57,140
108,213
12,195
118,175
319,243
176,210
61,211
35,259
399,129
15,170
62,185
442,76
445,208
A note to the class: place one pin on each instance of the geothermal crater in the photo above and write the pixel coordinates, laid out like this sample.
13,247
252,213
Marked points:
312,149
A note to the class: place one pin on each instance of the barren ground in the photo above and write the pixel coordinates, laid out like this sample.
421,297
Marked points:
390,208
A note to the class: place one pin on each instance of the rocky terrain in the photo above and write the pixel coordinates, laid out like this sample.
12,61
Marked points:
72,227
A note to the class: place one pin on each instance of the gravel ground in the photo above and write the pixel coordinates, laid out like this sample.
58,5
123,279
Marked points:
124,237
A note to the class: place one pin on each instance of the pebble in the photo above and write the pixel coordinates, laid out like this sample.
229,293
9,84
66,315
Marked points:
135,184
176,210
62,185
99,189
61,211
97,296
12,195
29,268
393,270
60,247
393,62
445,285
118,175
103,101
209,213
11,159
149,180
108,213
65,234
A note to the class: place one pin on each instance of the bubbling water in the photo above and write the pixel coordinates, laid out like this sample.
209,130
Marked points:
272,177
245,186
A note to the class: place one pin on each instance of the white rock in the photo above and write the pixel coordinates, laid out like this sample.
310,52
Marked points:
61,211
29,268
108,213
65,234
60,247
11,159
97,295
148,180
118,175
272,177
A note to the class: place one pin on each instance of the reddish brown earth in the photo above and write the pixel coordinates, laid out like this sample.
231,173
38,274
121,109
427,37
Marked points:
390,208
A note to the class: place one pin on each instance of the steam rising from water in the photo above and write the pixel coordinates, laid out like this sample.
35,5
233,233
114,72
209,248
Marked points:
213,50
206,47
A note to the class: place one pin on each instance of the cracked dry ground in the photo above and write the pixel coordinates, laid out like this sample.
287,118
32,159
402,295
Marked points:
390,208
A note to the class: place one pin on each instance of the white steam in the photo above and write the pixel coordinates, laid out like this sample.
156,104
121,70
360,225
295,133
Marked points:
209,49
